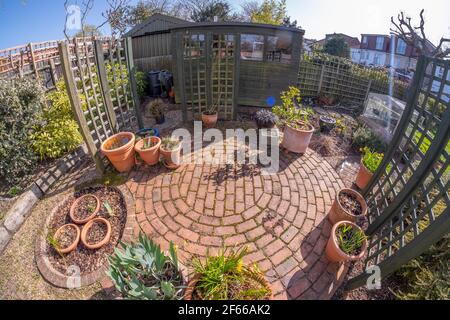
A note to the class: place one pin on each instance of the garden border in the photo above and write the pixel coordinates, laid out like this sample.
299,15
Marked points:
55,277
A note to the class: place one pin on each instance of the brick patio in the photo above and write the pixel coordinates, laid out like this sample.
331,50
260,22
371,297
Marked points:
280,218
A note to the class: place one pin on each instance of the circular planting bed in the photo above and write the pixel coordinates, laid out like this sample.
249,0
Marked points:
86,263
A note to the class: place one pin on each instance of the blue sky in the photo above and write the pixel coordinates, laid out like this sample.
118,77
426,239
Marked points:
23,21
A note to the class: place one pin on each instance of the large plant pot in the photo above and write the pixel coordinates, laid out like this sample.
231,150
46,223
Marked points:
77,202
150,155
339,213
74,244
334,252
172,159
364,176
209,120
102,242
122,158
296,140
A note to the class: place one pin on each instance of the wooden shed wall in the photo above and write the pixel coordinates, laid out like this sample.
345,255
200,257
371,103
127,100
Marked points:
153,52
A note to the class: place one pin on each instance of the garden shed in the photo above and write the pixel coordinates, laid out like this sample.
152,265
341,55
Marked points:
231,64
151,42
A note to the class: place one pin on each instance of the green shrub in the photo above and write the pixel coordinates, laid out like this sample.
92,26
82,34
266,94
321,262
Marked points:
427,277
57,133
141,83
225,277
371,159
142,271
20,105
365,137
288,112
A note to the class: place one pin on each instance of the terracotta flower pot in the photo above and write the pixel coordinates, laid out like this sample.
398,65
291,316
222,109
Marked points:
74,244
209,120
338,213
77,202
171,158
334,252
101,243
364,176
150,155
122,158
296,140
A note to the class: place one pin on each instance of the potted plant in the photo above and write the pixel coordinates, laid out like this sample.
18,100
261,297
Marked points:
369,164
265,119
326,99
84,208
119,149
96,233
347,242
327,123
66,238
225,277
297,129
148,149
210,117
348,205
171,151
141,271
157,109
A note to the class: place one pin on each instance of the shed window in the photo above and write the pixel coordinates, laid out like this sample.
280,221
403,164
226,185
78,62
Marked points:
194,46
279,49
252,47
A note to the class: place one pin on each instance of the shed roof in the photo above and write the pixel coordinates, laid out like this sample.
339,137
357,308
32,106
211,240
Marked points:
156,23
236,24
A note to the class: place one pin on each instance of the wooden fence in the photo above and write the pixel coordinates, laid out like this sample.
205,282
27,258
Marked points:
40,60
322,74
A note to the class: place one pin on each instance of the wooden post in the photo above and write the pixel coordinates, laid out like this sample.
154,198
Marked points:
106,92
53,71
131,72
237,67
33,62
322,71
77,108
368,89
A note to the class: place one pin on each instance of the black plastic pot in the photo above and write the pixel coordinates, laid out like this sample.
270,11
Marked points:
327,123
160,120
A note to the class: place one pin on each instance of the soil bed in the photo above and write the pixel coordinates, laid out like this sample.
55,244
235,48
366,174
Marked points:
85,208
350,203
66,237
90,260
96,233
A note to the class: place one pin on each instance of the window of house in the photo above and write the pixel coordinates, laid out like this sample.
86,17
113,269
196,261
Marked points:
252,47
376,59
380,43
364,40
279,48
401,46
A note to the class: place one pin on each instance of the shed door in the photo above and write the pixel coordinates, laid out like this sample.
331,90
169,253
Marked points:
209,73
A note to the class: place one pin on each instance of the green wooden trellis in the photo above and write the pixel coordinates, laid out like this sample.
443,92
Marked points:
409,194
101,89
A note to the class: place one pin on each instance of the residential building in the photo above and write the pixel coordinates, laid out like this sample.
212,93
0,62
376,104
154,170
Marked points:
352,42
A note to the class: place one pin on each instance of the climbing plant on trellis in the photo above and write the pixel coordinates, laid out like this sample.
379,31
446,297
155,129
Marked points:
408,197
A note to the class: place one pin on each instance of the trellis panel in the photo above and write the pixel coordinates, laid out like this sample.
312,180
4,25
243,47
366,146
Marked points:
408,197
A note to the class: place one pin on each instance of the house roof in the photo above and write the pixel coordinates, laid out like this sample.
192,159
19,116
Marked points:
236,24
352,42
154,24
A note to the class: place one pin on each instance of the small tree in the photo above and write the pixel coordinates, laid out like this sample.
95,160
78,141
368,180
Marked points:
270,12
214,8
416,37
337,47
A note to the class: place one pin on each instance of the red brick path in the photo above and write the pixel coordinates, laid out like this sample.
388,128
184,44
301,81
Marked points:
280,218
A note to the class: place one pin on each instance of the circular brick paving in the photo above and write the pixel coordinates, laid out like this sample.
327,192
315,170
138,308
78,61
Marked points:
280,218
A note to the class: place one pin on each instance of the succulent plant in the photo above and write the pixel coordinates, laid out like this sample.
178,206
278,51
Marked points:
142,271
265,119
